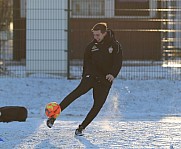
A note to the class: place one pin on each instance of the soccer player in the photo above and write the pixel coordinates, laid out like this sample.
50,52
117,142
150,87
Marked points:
102,63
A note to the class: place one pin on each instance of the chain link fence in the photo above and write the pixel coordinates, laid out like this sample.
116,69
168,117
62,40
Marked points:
42,38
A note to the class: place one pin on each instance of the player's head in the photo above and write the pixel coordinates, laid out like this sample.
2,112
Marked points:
99,31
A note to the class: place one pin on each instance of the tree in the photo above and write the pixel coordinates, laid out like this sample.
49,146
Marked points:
6,14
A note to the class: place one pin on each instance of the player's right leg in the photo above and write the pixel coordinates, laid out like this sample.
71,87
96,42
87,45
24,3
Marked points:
84,86
50,122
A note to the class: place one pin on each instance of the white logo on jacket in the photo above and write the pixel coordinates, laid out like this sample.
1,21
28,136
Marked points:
94,48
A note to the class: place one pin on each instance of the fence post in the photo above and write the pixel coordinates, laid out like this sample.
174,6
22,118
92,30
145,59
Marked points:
68,42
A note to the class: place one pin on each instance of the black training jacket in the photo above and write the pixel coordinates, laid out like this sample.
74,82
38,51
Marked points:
103,58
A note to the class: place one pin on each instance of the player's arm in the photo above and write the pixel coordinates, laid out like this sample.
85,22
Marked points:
117,60
87,63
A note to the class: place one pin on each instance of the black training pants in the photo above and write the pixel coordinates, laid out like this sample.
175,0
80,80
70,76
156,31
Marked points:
100,93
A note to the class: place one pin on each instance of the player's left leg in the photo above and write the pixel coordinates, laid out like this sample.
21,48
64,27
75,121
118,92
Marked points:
100,94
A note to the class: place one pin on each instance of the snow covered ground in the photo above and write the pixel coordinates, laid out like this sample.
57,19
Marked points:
137,114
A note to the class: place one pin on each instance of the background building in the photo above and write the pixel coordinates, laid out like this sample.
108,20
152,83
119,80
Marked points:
50,36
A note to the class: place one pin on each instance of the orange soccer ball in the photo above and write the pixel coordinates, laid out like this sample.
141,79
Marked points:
52,109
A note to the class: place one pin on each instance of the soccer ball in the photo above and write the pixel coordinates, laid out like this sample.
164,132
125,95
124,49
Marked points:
52,109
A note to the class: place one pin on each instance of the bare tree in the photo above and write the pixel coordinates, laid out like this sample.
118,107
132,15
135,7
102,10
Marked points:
5,14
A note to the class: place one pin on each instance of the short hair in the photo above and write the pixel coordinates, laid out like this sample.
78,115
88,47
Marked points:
100,26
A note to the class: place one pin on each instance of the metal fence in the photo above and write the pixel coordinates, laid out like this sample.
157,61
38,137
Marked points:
47,38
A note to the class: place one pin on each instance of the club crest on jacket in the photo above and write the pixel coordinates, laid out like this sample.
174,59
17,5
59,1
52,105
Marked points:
110,49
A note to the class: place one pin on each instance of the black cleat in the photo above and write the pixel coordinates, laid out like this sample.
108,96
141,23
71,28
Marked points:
79,130
50,122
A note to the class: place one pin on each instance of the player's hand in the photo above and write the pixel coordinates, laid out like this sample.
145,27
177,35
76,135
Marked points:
110,77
